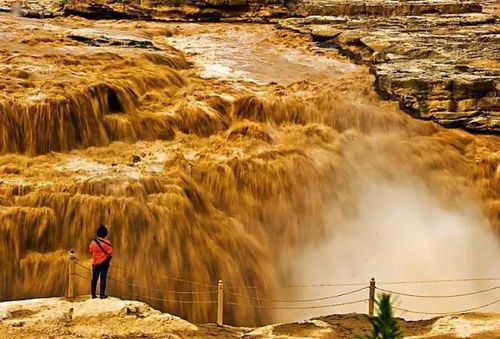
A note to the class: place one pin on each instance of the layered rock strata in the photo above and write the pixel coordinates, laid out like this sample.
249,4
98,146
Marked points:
445,68
245,10
208,10
33,8
385,7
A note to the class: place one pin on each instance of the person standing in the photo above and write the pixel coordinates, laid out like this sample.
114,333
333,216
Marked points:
102,252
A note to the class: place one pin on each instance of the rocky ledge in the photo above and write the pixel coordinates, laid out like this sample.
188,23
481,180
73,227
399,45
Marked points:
235,10
201,10
33,8
444,68
385,7
120,319
167,10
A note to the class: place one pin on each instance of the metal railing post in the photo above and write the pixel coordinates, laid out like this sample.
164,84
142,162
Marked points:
220,303
371,300
71,275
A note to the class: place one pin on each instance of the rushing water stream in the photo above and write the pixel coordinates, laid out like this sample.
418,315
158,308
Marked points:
264,165
247,52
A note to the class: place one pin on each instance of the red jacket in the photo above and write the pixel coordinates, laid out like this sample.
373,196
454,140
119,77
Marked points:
98,255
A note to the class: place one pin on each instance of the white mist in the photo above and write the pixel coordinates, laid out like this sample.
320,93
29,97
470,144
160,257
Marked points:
400,233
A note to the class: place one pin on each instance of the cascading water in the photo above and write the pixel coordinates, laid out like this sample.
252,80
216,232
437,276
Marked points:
204,179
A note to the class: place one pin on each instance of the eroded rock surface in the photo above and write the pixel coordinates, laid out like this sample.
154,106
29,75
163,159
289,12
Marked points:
115,318
207,10
33,8
491,6
385,7
443,68
87,318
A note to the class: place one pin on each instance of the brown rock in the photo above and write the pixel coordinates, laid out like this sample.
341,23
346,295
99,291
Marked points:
443,68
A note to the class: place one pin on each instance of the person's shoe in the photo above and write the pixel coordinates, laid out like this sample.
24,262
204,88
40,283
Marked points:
104,296
94,297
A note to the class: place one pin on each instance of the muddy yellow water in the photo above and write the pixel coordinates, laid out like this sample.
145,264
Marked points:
245,155
250,52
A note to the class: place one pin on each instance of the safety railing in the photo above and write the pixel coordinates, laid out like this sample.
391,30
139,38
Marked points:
220,295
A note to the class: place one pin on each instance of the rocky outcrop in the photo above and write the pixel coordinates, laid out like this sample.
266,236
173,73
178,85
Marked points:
444,68
33,8
236,10
205,10
102,40
491,6
86,318
385,7
201,10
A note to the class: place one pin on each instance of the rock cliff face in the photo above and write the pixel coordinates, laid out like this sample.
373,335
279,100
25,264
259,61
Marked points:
443,68
206,10
491,6
385,7
242,9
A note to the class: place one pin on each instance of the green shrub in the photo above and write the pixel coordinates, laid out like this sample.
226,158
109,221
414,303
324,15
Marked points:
384,325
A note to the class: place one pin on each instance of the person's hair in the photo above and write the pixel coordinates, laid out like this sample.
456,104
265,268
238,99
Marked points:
102,231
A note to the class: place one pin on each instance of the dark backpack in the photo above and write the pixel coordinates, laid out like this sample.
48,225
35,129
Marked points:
98,242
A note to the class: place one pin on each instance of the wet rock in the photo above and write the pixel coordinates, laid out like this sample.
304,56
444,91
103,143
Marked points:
103,10
136,158
443,68
439,92
205,14
246,10
33,8
249,130
195,10
109,41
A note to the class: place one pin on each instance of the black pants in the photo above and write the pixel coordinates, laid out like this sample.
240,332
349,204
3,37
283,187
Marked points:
99,270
